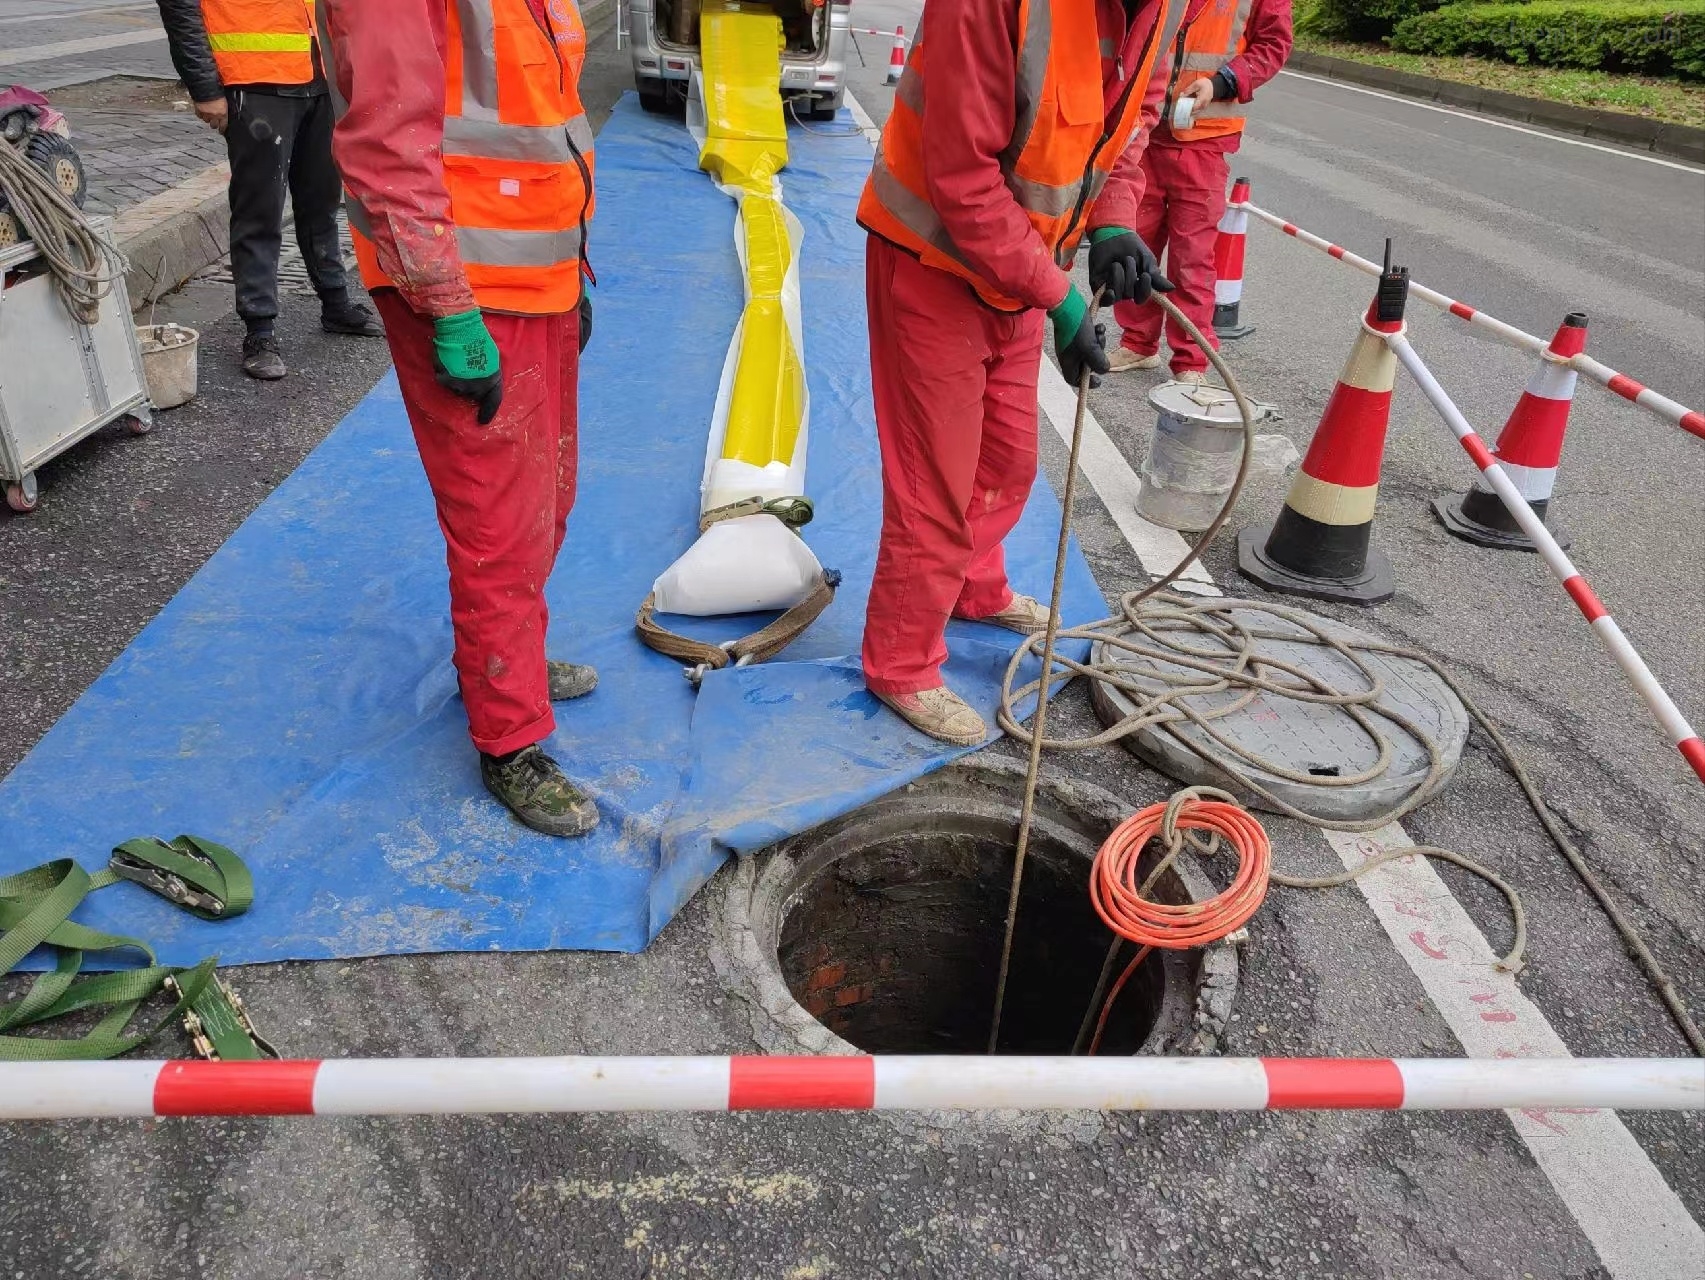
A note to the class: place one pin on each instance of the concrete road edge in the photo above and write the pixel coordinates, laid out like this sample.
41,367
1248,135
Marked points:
1684,142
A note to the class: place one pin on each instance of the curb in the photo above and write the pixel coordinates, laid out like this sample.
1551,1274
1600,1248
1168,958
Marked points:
1684,142
171,236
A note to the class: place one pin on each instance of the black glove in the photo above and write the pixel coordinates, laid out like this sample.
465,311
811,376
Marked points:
1122,268
585,316
1078,342
465,361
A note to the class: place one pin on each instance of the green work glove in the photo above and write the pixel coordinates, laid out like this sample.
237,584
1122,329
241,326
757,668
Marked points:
465,360
1076,341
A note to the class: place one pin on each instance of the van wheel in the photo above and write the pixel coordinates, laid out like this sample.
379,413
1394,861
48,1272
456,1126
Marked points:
653,96
826,108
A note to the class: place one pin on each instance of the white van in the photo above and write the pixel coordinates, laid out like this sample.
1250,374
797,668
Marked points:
663,36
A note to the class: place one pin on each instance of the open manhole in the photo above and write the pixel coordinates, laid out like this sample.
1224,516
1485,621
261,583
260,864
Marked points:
881,931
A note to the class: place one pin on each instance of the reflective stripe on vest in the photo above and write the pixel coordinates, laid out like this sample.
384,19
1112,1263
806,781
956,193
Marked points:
1214,39
261,41
517,156
1064,142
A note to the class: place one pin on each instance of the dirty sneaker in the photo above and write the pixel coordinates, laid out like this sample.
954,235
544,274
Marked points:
352,319
940,713
532,787
1123,360
1191,377
1024,615
570,680
261,358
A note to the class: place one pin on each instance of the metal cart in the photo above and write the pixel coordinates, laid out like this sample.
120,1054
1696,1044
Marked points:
60,381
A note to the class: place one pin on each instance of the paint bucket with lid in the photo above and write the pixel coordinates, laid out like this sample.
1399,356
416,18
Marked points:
1193,455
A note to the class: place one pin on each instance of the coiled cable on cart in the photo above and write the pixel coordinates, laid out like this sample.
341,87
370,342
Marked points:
84,263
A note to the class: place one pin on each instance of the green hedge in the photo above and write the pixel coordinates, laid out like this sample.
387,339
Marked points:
1656,37
1358,19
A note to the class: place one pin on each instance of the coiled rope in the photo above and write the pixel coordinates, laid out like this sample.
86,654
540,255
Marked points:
84,264
1206,650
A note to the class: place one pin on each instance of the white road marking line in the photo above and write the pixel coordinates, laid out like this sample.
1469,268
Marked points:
1599,1170
70,48
1638,1225
67,14
861,117
1495,123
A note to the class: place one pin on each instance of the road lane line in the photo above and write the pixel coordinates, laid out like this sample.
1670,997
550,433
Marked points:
71,48
65,15
1601,1173
1498,124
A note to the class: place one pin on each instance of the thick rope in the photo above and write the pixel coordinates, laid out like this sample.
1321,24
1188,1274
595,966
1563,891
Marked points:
1207,651
83,263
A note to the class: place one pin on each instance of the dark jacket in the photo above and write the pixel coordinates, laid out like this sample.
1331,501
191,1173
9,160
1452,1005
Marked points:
186,33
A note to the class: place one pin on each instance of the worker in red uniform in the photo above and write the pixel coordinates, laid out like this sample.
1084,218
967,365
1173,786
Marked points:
467,161
1230,49
984,185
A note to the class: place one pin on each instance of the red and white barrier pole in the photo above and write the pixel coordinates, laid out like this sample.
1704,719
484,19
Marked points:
465,1086
1663,709
1689,420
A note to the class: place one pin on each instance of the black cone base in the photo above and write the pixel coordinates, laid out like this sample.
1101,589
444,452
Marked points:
1371,584
1226,324
1451,515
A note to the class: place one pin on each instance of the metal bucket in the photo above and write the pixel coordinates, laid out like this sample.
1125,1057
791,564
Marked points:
1193,455
168,362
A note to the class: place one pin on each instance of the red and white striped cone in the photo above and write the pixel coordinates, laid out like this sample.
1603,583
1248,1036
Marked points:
897,56
1228,264
1320,546
1530,449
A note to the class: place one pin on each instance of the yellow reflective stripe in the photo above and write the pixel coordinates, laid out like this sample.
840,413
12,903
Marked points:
259,42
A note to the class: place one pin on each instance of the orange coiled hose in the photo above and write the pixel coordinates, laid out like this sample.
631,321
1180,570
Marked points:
1118,899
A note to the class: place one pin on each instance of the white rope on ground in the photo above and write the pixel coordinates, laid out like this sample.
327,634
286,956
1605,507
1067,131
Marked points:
84,264
1155,624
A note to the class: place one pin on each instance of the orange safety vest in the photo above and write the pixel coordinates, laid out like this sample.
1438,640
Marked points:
1212,40
517,156
1064,142
261,41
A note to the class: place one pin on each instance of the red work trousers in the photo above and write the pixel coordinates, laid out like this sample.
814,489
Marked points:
955,390
503,492
1183,201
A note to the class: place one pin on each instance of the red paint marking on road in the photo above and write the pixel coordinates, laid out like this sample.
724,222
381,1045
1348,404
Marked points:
797,1084
1542,1115
1419,938
1497,1015
1582,594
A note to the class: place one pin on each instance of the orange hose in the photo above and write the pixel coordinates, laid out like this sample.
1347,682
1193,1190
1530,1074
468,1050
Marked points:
1114,889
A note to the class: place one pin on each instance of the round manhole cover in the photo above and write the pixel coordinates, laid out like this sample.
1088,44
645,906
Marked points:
881,931
1314,739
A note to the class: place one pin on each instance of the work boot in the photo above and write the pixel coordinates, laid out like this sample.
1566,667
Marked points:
351,318
1191,377
1024,615
570,680
940,713
260,357
534,788
1123,360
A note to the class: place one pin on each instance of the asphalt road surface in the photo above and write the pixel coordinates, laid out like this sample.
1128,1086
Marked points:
1516,222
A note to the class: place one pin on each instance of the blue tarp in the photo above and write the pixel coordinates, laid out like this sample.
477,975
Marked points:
296,700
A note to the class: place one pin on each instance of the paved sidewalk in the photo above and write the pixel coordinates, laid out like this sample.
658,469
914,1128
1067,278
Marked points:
137,138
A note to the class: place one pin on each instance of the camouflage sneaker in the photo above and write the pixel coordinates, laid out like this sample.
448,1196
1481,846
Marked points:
535,790
570,680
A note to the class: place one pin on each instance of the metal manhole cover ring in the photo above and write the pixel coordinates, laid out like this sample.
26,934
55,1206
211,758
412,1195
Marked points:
1305,737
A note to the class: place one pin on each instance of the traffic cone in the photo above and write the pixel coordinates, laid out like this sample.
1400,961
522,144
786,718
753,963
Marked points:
897,56
1529,449
1320,544
1228,264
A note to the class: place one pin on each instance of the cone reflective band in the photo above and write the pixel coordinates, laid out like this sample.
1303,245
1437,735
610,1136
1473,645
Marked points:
1320,546
1689,420
486,1086
897,56
1228,263
1529,450
1633,666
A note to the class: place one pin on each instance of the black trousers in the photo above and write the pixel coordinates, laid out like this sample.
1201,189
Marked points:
281,146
